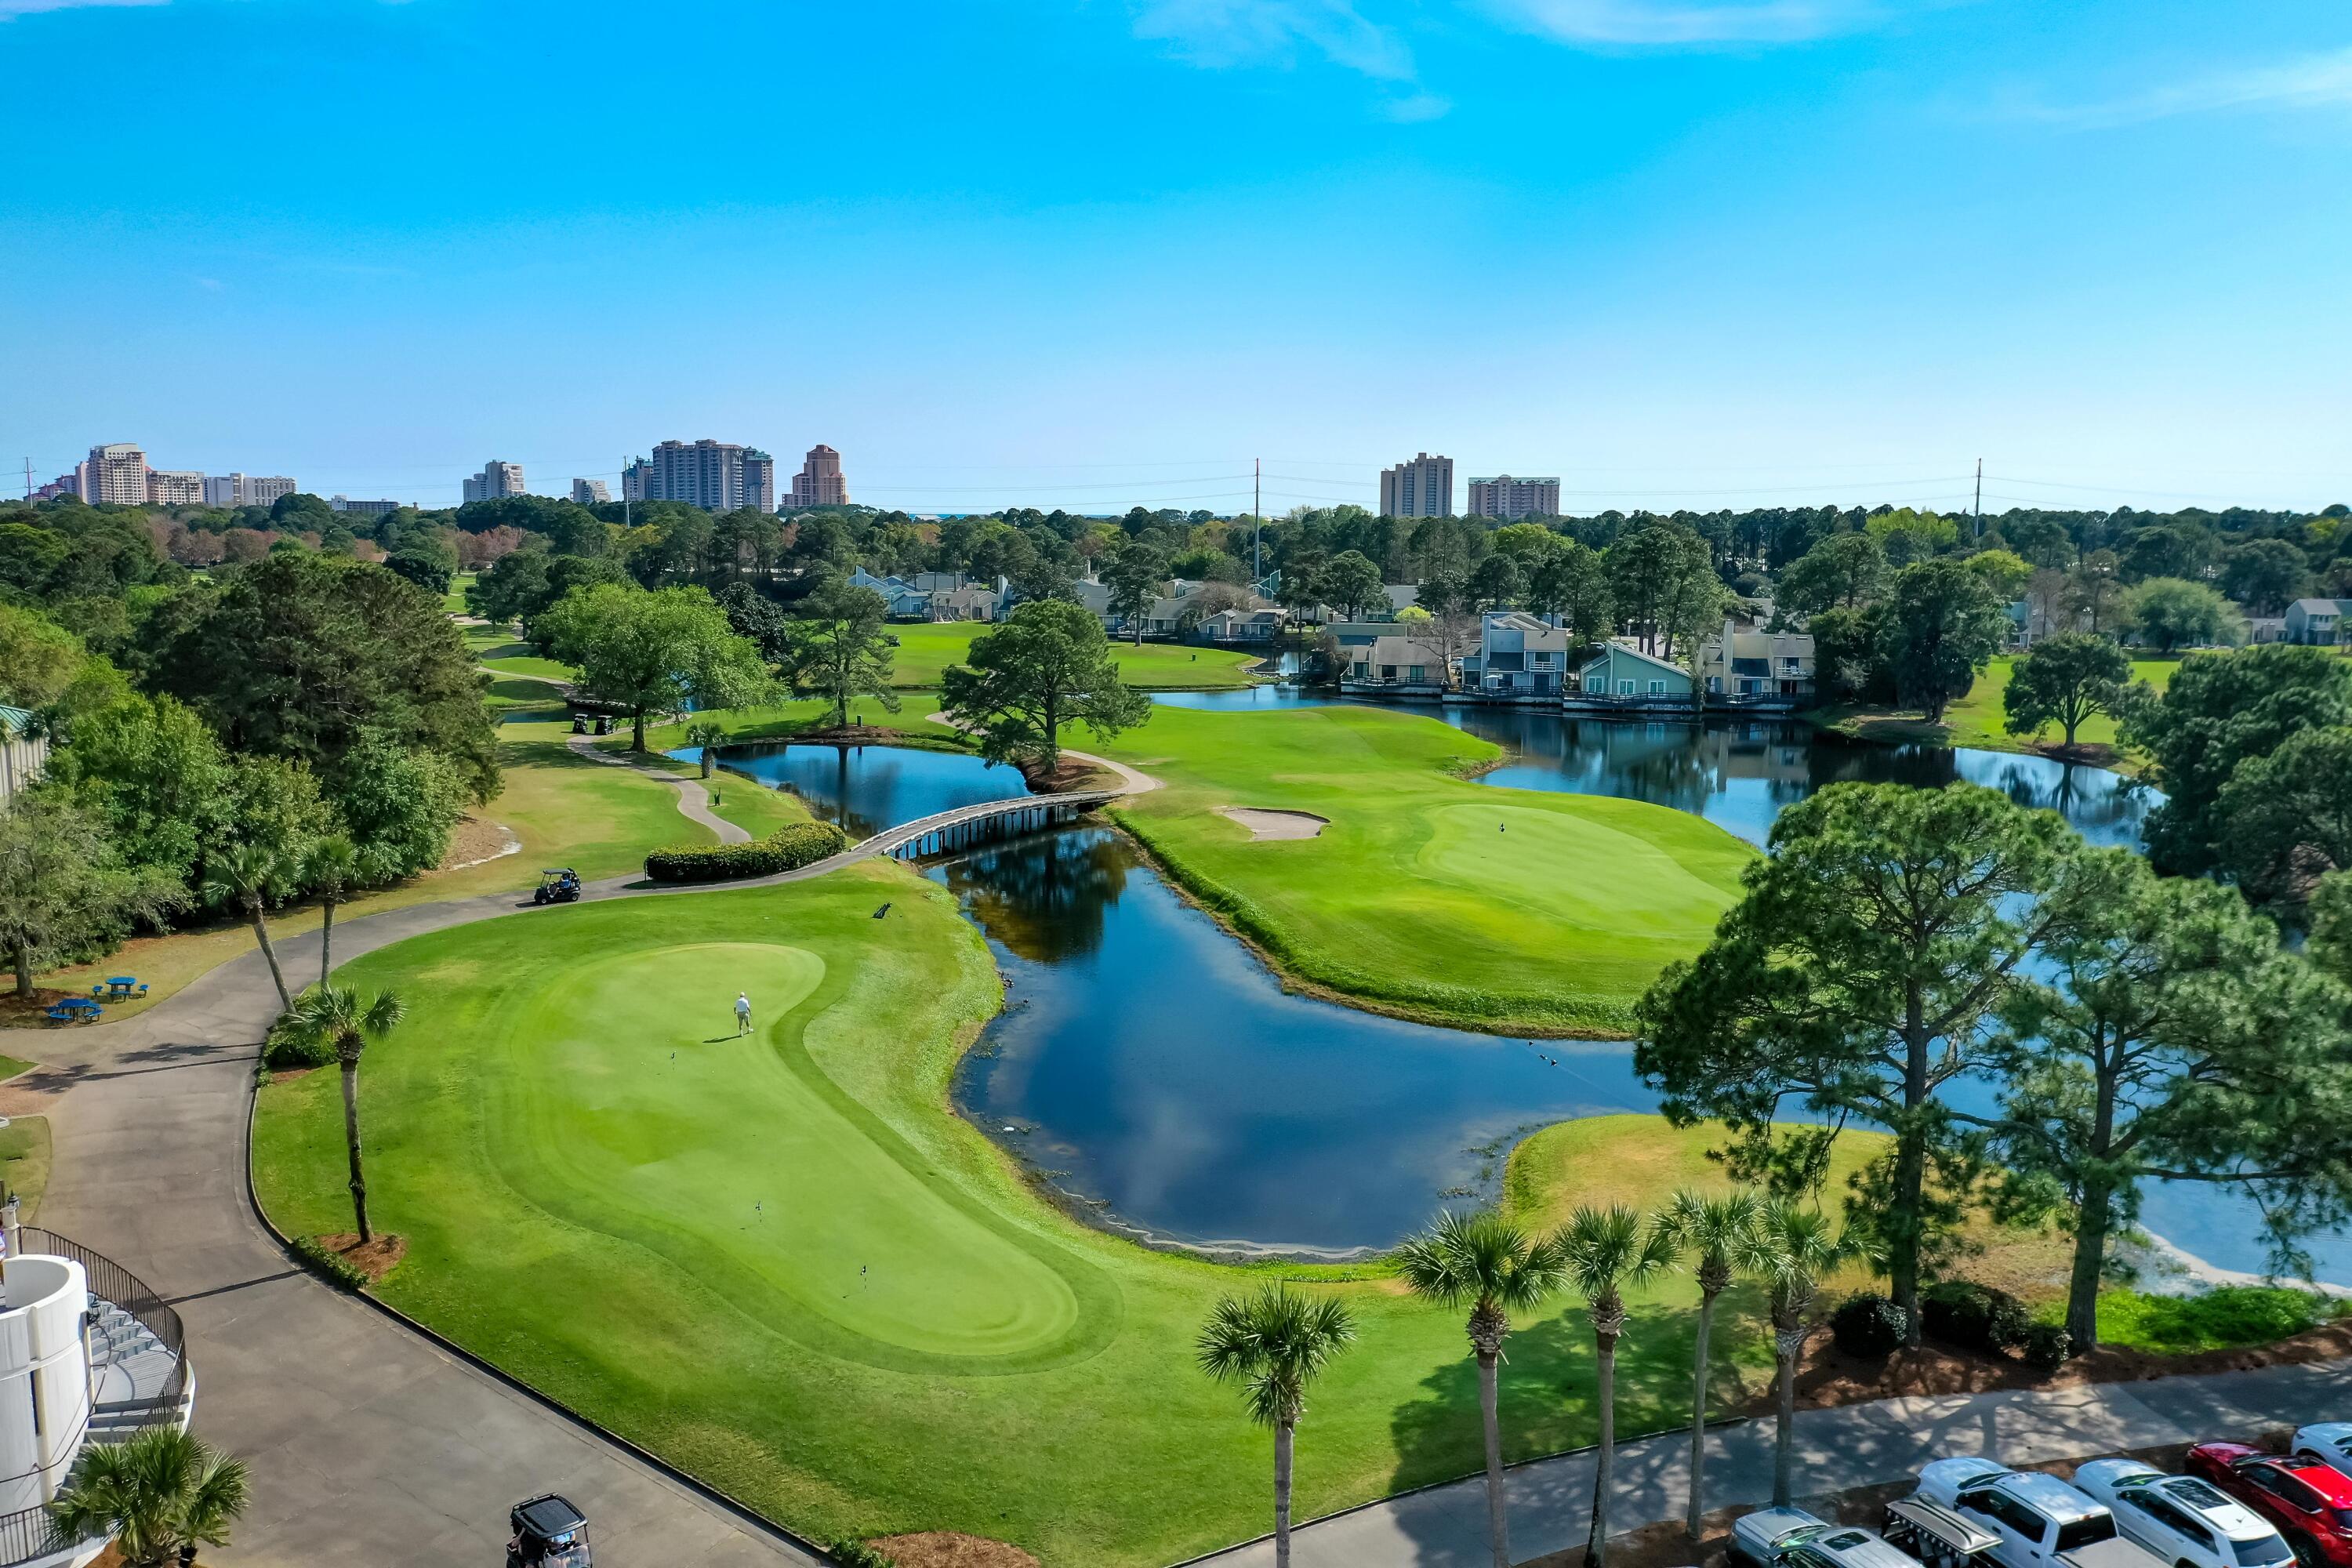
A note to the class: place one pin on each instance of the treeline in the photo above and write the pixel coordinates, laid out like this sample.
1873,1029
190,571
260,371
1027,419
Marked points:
300,723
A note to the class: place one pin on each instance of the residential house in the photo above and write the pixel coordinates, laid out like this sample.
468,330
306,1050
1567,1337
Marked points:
1358,633
1519,656
2318,622
1397,666
2265,629
1095,597
1756,669
1622,676
905,602
1239,626
24,751
973,603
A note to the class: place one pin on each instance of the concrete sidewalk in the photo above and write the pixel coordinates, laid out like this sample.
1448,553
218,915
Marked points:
1859,1444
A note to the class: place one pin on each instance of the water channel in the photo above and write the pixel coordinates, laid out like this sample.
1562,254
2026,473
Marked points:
1155,1071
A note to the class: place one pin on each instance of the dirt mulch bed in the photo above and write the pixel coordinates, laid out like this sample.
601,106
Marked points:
945,1549
25,1012
473,840
288,1074
376,1259
1827,1376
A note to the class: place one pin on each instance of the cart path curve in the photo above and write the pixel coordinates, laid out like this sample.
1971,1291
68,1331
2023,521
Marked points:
693,799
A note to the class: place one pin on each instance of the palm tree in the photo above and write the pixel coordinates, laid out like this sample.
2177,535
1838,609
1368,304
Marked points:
1274,1345
248,876
333,1015
329,870
1797,1245
1494,1267
1717,1232
163,1491
709,737
1607,1249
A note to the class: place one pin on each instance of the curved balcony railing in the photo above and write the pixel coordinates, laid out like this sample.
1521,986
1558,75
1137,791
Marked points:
30,1535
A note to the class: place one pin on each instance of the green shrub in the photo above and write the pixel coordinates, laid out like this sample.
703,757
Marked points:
328,1265
788,848
2046,1346
2228,1317
1868,1325
287,1050
857,1554
1972,1316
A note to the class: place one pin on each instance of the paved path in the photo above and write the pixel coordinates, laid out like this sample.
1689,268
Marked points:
693,800
1859,1444
362,1433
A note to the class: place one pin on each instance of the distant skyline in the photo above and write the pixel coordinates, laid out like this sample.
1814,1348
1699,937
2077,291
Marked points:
1065,252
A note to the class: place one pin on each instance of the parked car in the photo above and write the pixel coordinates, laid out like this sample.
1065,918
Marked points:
1791,1538
2183,1518
1936,1536
2309,1501
2040,1519
2330,1442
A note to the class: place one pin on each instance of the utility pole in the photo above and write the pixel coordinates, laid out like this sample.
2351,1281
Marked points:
28,479
1979,497
1257,512
625,490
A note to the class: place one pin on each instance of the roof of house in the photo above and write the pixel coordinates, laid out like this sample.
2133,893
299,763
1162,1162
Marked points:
1631,651
14,720
2323,607
1396,649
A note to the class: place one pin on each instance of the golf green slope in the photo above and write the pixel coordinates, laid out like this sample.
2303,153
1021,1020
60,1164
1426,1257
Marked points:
780,1261
1427,893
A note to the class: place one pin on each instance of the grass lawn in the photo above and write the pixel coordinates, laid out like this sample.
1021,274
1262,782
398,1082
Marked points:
780,1261
750,804
2229,1318
454,601
506,656
1429,894
925,651
781,720
1977,718
25,1161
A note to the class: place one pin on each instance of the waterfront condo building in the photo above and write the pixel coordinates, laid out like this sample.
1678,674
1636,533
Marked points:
717,476
227,490
821,481
590,493
1423,487
1512,499
497,479
175,487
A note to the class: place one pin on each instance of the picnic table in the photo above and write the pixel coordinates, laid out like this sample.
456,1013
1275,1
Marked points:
119,986
74,1010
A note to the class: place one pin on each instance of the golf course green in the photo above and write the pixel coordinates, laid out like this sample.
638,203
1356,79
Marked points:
1427,894
780,1261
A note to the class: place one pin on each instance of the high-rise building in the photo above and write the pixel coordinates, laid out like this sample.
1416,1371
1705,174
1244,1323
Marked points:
116,473
1509,498
247,489
717,476
1423,487
497,479
821,481
590,493
175,487
363,507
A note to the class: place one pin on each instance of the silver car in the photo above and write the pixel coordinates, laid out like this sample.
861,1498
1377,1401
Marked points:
2186,1521
1791,1538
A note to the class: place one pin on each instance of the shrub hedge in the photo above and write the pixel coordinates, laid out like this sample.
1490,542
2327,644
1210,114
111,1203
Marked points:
287,1050
1868,1324
1972,1316
788,848
328,1265
2046,1347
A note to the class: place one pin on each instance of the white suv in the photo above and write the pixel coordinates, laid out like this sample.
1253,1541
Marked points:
2186,1521
2041,1521
2330,1442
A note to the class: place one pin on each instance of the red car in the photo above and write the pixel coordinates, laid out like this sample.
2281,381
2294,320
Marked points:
2310,1503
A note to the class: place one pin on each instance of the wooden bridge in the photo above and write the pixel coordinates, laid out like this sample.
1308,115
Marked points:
945,832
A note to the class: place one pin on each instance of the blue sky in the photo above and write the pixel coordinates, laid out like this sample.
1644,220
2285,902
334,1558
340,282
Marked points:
1091,252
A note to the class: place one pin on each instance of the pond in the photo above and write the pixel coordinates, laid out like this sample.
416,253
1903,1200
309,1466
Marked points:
1152,1069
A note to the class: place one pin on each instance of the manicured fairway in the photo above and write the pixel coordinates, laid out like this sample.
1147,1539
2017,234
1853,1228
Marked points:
1980,719
780,1262
1429,894
510,657
925,651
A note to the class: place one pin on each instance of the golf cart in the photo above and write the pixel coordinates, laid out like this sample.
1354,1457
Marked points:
560,885
549,1532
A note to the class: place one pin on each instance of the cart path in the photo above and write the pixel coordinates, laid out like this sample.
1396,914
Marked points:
1134,781
1853,1445
693,799
360,1432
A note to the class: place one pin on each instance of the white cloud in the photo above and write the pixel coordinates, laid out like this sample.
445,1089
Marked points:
1218,33
12,9
2313,82
1672,23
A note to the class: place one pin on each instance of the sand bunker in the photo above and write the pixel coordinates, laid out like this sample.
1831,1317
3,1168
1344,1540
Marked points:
1276,824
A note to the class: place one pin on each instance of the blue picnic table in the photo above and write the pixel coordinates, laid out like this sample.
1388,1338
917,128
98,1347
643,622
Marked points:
120,985
74,1010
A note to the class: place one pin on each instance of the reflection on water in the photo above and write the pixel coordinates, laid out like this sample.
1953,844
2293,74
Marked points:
1246,696
1160,1069
1741,773
865,789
